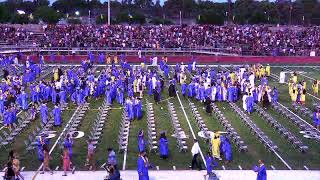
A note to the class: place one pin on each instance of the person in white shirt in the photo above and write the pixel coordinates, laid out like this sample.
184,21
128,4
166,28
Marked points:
195,150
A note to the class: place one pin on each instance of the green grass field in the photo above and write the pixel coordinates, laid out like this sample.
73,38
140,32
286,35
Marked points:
181,160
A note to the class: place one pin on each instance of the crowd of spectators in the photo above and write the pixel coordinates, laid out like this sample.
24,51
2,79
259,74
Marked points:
246,39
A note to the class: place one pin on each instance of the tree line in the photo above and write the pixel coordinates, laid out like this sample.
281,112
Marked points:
298,12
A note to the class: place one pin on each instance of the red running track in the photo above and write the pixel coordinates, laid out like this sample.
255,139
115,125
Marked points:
200,59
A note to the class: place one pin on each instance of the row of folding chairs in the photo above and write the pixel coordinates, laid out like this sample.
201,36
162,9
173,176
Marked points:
306,112
123,136
201,124
294,119
178,131
254,129
75,122
152,133
98,125
232,133
23,120
291,138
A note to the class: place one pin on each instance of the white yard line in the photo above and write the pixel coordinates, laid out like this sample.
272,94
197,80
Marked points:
300,73
190,127
312,127
124,159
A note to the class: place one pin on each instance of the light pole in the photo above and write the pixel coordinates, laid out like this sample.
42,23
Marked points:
109,13
180,17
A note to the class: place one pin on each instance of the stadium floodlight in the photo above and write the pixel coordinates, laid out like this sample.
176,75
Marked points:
21,12
77,13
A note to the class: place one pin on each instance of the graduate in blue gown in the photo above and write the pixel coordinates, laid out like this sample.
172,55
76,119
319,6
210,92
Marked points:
183,89
68,142
227,149
54,96
120,96
261,171
57,115
250,103
316,118
138,109
108,96
44,113
6,117
275,95
63,96
163,146
24,100
1,103
210,164
141,143
129,109
143,166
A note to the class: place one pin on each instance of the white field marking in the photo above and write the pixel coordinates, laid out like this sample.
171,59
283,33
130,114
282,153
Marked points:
277,77
305,167
57,168
22,168
60,136
312,127
190,127
272,167
239,167
224,168
102,165
125,153
300,73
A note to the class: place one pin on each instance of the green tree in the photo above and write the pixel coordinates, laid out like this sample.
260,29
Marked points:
4,14
210,17
47,15
19,19
102,19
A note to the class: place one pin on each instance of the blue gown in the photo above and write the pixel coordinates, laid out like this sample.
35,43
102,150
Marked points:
44,113
316,121
211,164
24,101
142,169
163,147
57,116
275,95
262,173
1,105
227,150
68,144
141,144
183,89
138,110
250,103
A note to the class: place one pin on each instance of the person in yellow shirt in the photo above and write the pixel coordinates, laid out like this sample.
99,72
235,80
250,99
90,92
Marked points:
294,95
295,78
215,142
268,70
304,84
55,74
315,87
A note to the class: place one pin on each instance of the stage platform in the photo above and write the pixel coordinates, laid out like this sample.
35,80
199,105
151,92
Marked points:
182,175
